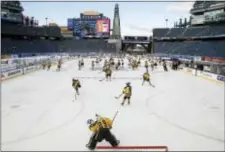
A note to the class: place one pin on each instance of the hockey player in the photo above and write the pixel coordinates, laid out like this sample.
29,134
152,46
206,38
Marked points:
105,63
164,66
76,85
79,65
152,65
49,65
122,63
97,61
155,65
134,64
146,65
108,74
59,65
82,62
146,78
43,65
93,65
111,62
118,65
127,92
139,62
101,131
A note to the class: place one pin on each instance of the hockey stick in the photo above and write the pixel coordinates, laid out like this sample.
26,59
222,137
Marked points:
102,79
75,97
76,94
118,96
115,116
152,85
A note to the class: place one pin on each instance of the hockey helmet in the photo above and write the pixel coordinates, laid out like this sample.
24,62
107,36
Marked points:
90,121
128,83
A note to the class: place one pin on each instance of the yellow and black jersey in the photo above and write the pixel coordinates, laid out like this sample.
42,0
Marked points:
76,83
101,123
108,71
43,64
127,91
146,76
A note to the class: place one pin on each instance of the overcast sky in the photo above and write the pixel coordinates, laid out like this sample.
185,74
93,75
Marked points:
137,18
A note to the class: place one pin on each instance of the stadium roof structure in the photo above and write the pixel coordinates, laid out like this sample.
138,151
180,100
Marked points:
91,13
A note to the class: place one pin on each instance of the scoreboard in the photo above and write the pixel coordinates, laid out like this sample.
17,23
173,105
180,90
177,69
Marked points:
94,28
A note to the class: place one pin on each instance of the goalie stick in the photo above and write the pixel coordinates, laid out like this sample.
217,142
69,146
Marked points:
114,117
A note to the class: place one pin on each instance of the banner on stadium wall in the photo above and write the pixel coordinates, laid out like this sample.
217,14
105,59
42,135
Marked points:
221,78
103,26
14,56
206,74
15,72
213,59
5,56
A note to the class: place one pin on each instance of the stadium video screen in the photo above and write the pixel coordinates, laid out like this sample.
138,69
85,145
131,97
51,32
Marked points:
92,28
70,24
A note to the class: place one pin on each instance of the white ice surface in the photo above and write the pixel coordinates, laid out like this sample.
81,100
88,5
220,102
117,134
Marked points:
182,112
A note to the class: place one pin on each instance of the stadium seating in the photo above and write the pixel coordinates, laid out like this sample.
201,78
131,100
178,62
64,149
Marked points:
19,30
193,48
189,32
47,46
160,32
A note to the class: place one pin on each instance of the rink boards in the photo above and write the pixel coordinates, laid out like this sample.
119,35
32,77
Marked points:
206,75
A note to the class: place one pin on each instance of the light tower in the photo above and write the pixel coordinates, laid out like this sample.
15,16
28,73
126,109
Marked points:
116,34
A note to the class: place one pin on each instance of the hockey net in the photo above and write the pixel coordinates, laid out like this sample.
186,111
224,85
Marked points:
132,148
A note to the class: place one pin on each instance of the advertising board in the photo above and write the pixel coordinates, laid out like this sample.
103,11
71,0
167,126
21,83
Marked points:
208,75
29,69
14,72
221,78
103,26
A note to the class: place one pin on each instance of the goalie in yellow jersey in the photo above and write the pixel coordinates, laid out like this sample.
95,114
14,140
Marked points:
101,131
146,78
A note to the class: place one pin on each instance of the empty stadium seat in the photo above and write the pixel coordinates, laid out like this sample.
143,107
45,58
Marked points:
193,48
189,32
12,46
